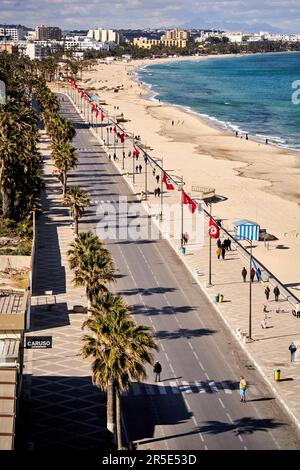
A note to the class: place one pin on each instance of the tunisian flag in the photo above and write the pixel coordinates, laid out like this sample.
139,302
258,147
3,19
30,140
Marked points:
213,229
97,113
187,200
102,116
122,137
167,181
136,152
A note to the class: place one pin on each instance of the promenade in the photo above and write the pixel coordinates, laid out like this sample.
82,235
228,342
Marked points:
65,409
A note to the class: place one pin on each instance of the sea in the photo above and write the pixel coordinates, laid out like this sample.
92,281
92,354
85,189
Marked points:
257,94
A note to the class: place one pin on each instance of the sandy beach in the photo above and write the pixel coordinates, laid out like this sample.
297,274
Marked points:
260,182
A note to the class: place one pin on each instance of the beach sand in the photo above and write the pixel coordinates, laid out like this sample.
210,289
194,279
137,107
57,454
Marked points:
260,182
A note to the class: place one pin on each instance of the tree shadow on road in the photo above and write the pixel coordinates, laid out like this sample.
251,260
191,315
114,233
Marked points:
246,425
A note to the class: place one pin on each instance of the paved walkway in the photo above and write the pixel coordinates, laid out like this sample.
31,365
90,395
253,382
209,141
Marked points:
269,347
66,410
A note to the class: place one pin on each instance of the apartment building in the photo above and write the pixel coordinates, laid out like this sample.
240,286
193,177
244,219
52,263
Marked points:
46,33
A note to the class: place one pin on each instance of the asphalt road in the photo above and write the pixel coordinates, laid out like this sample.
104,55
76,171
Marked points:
196,405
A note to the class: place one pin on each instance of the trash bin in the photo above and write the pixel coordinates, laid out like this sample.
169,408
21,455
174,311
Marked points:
221,297
277,375
217,298
183,249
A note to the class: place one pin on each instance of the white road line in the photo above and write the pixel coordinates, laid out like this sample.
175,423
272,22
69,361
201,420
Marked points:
225,388
246,448
199,386
201,365
185,387
196,356
174,388
213,387
187,404
191,346
162,390
167,357
136,389
207,376
240,438
229,417
149,389
221,403
171,367
205,447
162,347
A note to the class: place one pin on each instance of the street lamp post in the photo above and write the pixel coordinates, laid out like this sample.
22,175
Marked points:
209,257
250,293
146,172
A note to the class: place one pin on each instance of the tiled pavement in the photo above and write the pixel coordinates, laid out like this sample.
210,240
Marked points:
65,409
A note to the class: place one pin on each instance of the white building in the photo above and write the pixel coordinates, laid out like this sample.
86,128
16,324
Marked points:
104,35
15,34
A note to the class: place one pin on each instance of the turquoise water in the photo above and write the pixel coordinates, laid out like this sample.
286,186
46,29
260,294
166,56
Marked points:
251,94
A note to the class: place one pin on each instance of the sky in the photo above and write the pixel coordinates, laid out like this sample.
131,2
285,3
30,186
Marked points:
246,15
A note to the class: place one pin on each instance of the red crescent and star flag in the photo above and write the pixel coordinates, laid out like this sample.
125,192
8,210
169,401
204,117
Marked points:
187,200
167,181
213,230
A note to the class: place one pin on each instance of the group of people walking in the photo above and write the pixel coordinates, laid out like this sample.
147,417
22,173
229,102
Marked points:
222,247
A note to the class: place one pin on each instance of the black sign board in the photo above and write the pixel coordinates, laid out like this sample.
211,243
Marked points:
38,342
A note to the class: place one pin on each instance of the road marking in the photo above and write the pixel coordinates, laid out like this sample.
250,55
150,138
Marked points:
199,387
246,448
174,388
207,376
149,389
225,387
213,387
136,388
162,390
191,346
185,387
240,438
229,417
187,404
196,356
221,403
162,347
167,357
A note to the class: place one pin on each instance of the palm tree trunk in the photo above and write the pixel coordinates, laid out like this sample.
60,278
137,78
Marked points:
119,424
111,409
76,226
6,203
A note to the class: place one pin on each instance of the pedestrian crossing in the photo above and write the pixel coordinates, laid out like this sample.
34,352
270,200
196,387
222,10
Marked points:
181,387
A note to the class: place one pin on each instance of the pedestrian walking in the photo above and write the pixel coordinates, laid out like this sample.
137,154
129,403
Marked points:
263,324
258,274
236,133
129,153
276,293
157,371
115,157
219,243
223,251
155,192
153,172
158,191
244,273
124,155
136,168
267,292
140,168
186,237
243,387
293,349
252,274
228,244
157,179
218,252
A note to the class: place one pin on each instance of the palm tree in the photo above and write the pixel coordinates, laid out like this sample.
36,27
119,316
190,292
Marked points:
65,159
77,199
119,350
92,265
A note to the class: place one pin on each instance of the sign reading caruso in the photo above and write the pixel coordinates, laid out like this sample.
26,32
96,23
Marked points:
39,342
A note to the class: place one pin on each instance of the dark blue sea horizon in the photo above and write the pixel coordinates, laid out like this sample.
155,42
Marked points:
251,94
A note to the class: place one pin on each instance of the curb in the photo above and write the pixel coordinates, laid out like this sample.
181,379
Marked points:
204,290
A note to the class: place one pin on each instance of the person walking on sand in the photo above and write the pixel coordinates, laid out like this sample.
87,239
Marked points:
140,168
219,243
293,349
263,323
136,168
267,292
243,387
218,252
252,274
157,371
157,179
223,251
244,273
276,293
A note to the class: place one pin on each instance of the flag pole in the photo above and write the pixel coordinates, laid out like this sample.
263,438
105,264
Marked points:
181,235
161,189
250,294
146,171
133,158
123,156
209,262
101,125
107,130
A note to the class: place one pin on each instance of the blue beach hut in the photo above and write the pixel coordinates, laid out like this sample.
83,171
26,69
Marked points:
246,229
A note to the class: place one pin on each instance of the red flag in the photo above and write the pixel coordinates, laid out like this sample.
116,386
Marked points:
136,152
97,113
122,137
167,181
92,106
187,200
213,229
102,116
115,130
85,97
